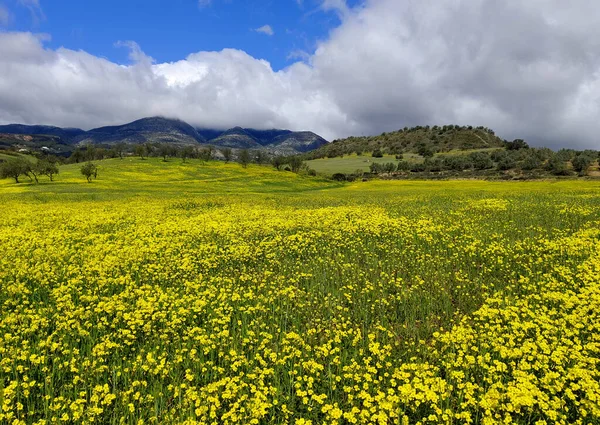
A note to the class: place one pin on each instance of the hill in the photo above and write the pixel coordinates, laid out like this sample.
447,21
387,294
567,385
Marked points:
411,140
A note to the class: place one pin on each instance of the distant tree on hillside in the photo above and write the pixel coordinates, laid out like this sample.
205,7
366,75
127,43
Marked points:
481,160
77,155
227,154
244,157
557,166
377,153
261,157
582,162
165,150
89,170
425,151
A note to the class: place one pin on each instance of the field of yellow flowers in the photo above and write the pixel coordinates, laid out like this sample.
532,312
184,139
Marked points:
209,294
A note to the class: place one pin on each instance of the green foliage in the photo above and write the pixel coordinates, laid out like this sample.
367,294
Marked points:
557,165
89,170
481,160
244,157
377,153
295,162
279,161
15,168
582,162
47,168
227,154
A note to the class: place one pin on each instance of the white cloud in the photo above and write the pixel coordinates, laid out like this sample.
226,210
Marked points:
265,29
526,69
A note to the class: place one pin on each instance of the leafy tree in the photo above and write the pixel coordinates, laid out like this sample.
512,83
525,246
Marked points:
279,161
186,152
89,170
516,144
376,168
425,151
295,163
531,162
507,163
120,149
377,153
403,166
14,168
206,153
244,157
227,154
165,150
77,155
261,157
557,166
47,168
140,150
434,164
582,162
481,160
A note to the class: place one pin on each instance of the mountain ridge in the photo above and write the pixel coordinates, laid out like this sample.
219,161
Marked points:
166,130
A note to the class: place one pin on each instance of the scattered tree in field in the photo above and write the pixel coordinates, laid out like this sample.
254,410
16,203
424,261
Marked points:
261,157
206,153
14,168
279,161
227,154
120,149
77,155
244,157
140,150
186,152
295,163
165,151
89,170
46,167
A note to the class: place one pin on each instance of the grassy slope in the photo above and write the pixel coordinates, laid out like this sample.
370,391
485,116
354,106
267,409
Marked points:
351,163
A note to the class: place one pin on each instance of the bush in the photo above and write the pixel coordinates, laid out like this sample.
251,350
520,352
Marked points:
377,153
507,163
403,166
531,162
481,160
557,166
582,162
340,177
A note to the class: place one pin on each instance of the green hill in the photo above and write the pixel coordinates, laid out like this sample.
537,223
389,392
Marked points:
410,140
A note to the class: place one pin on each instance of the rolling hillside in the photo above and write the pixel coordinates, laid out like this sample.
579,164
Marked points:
411,140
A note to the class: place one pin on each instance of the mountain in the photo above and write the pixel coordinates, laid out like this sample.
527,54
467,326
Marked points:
155,129
66,134
278,141
437,139
165,130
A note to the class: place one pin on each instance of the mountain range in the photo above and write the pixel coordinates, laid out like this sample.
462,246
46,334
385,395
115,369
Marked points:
162,130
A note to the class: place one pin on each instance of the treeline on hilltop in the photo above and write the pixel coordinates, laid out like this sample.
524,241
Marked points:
437,138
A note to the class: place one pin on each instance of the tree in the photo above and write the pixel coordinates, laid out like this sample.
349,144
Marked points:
227,154
481,160
47,168
165,151
77,155
14,168
295,163
557,166
244,157
140,150
261,157
582,162
186,152
279,161
531,162
425,151
377,153
120,149
89,170
206,154
507,163
403,166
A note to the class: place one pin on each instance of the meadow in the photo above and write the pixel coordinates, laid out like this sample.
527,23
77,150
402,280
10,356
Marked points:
169,293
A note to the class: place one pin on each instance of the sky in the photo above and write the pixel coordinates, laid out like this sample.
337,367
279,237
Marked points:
336,67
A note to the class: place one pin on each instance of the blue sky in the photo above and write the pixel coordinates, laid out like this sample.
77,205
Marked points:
169,30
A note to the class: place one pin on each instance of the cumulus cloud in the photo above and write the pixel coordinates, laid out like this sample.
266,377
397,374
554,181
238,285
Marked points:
265,29
526,69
